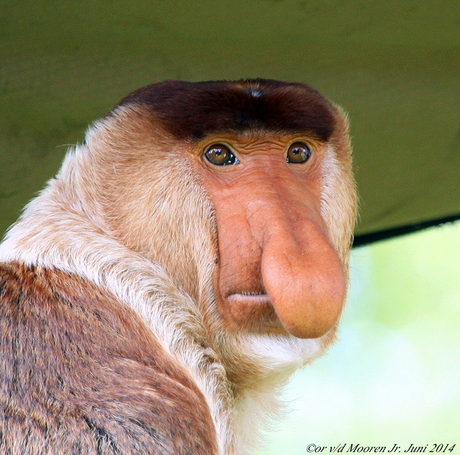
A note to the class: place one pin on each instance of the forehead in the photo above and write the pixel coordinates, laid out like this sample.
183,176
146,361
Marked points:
190,110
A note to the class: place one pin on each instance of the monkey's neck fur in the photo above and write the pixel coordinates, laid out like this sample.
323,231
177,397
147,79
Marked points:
63,229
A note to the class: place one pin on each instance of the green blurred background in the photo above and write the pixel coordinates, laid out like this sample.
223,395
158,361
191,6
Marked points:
393,377
394,67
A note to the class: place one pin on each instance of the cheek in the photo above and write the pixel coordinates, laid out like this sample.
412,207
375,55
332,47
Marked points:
163,213
339,203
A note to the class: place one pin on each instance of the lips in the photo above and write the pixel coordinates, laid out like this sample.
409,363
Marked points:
255,298
254,312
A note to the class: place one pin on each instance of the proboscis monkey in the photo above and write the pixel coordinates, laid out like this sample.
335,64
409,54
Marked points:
189,256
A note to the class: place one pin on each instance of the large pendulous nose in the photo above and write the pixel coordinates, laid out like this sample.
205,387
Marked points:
304,278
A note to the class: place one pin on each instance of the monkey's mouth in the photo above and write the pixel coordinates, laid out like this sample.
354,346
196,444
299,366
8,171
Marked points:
254,312
254,297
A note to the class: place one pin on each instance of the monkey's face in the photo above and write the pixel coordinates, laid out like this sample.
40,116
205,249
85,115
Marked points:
242,192
278,270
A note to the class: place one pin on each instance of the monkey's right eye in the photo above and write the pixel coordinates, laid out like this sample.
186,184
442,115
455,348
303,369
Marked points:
220,155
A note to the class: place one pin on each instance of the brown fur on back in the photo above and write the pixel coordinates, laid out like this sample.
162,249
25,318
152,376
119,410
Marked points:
81,374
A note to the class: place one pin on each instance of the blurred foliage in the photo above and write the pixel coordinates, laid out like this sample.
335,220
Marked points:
393,377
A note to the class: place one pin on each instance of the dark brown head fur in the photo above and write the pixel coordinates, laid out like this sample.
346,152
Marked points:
196,109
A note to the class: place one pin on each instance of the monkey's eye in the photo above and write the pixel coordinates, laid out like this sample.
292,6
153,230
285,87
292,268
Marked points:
299,152
220,155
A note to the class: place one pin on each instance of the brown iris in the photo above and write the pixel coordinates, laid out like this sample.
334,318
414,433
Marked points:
299,152
220,155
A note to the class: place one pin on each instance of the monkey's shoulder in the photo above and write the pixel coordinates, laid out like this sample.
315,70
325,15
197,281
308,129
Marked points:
81,373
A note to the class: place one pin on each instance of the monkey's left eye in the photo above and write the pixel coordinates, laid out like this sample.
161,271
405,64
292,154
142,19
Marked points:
220,155
299,152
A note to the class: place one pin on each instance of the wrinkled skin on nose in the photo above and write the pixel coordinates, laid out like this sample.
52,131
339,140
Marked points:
278,271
